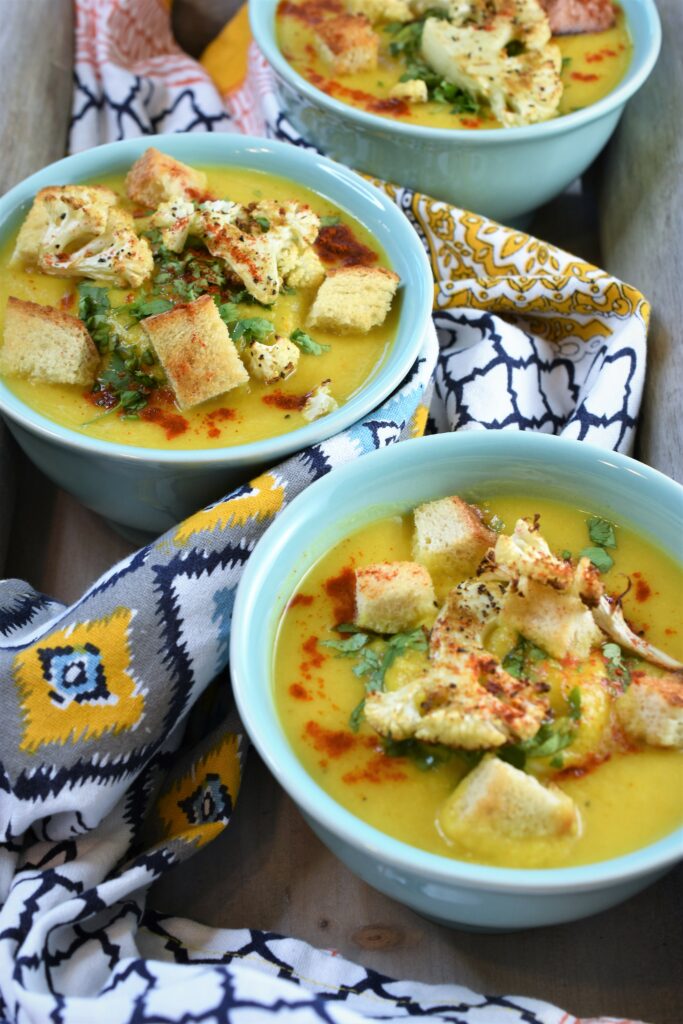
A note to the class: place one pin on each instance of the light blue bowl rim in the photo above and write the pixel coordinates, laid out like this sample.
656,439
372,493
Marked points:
645,53
346,188
269,738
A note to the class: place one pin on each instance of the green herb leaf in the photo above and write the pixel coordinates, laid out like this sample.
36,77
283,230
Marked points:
548,742
566,554
557,761
618,668
425,755
307,344
263,223
519,661
574,701
144,307
599,557
566,63
601,532
250,329
94,309
347,647
330,221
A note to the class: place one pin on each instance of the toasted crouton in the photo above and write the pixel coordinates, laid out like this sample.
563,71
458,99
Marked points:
381,10
195,349
450,537
44,344
273,362
393,596
558,622
155,178
353,299
347,43
652,709
414,90
309,271
497,802
569,17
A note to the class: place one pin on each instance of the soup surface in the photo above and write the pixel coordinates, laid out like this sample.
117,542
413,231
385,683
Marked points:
251,411
627,794
592,65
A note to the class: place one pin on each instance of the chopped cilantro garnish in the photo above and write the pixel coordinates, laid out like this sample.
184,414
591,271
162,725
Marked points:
566,554
602,561
601,532
263,223
375,656
617,668
519,661
425,755
244,329
515,47
566,62
574,701
94,309
548,742
406,42
144,307
307,344
330,222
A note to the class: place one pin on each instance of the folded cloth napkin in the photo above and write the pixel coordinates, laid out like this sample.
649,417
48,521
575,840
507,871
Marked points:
110,770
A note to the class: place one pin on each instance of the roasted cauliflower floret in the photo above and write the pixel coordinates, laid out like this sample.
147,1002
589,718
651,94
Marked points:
272,362
525,552
521,89
414,90
497,803
118,257
610,618
62,217
470,609
309,272
292,229
175,219
320,402
156,177
652,709
393,596
253,258
470,703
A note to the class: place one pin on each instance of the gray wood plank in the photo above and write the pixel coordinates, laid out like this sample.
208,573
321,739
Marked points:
36,53
641,218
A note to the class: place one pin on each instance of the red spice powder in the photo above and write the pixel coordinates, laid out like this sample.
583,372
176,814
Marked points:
284,401
392,105
299,692
67,300
317,658
311,12
304,599
337,243
213,419
599,56
593,762
332,742
341,590
471,122
580,76
642,588
171,422
379,768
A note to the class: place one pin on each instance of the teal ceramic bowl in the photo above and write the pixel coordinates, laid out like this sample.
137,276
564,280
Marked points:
148,490
502,173
393,480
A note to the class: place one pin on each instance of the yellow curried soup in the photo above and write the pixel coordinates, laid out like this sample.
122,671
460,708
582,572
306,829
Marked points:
628,795
252,411
593,63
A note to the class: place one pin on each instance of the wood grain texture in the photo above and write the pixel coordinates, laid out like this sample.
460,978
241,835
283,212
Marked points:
36,54
641,218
